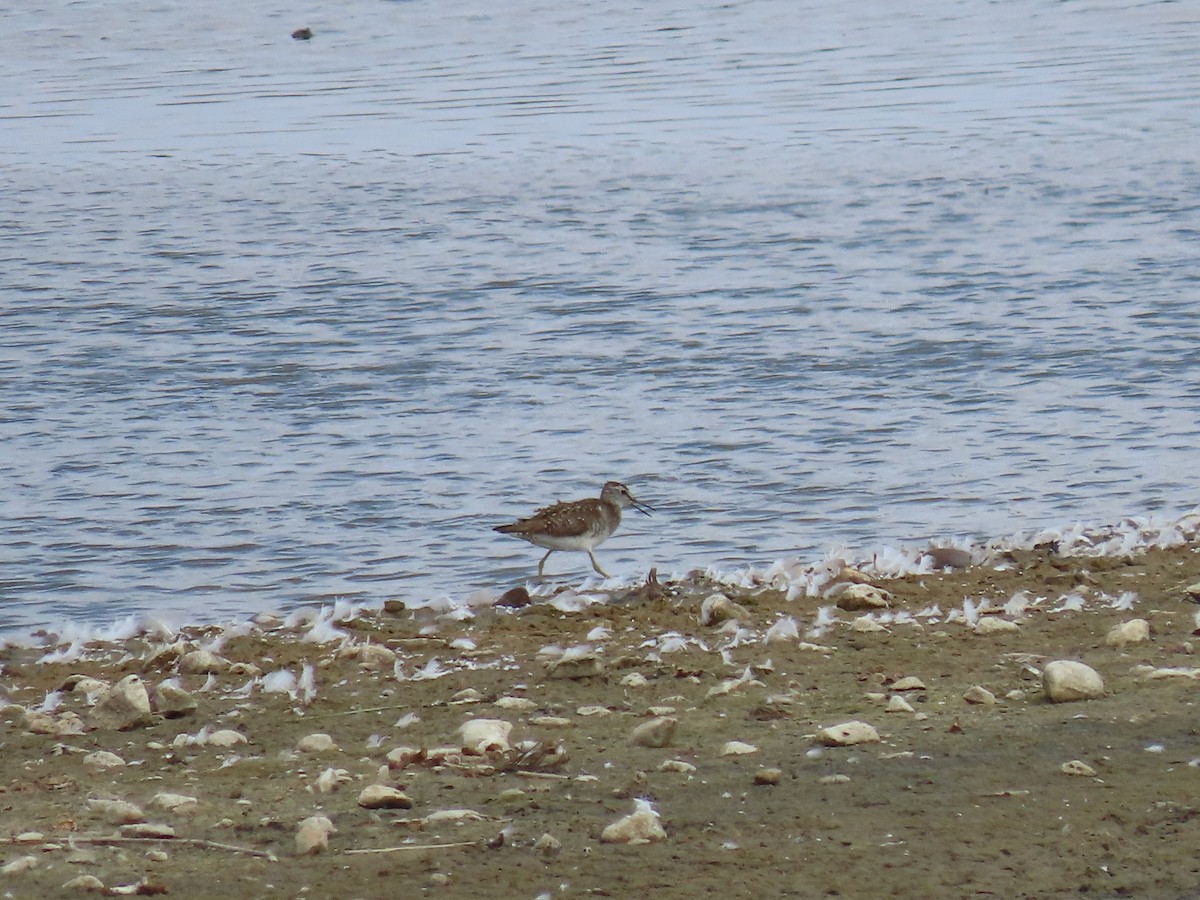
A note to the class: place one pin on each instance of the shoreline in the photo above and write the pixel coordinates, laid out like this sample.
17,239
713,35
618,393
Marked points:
681,734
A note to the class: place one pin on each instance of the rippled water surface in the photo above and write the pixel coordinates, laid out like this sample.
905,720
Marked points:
284,321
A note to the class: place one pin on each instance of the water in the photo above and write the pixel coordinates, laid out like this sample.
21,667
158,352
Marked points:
283,321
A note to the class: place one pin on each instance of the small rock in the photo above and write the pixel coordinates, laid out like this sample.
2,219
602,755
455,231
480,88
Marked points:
856,597
102,759
203,662
171,702
313,835
847,734
655,733
718,608
548,845
29,837
401,757
316,743
177,803
302,34
1132,632
1065,680
980,696
908,683
585,665
866,624
896,703
640,827
994,625
119,812
226,737
551,722
737,748
634,680
125,706
88,883
380,796
768,777
22,864
834,779
483,735
676,765
515,703
1077,767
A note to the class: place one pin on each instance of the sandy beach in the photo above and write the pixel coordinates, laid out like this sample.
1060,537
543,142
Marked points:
881,737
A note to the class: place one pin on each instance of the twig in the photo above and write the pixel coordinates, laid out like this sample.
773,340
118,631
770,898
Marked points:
354,712
195,842
411,847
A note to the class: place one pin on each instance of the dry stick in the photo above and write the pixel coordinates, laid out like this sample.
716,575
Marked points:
195,842
411,847
354,712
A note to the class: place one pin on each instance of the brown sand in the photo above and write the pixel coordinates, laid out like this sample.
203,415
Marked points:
957,800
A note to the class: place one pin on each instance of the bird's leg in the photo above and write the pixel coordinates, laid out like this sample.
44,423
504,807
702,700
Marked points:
596,565
542,564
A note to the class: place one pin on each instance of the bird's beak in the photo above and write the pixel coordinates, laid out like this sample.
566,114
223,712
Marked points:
643,508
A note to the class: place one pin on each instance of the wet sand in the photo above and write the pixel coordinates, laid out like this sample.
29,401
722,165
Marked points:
955,799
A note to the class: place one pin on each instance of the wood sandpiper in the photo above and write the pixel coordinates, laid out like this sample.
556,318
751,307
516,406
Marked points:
578,525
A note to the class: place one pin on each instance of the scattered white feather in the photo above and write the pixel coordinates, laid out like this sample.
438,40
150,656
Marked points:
462,643
1072,602
308,684
281,681
785,629
599,633
1124,601
409,718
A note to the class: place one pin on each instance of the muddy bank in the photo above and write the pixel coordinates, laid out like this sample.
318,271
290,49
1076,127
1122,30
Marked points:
976,785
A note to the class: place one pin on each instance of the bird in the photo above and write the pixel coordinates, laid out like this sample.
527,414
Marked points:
577,525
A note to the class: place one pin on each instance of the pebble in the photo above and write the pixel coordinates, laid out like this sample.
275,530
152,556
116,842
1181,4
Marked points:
226,737
655,733
483,735
119,812
855,597
401,757
178,803
312,836
718,608
172,702
980,696
315,743
737,748
548,845
1132,632
1077,767
866,624
1066,680
834,779
125,706
993,625
551,722
642,826
896,703
908,683
585,665
676,765
102,759
768,777
847,734
87,883
203,662
381,796
516,703
635,680
19,865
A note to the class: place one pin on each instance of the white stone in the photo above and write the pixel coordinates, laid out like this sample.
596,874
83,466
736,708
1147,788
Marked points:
908,683
118,812
102,759
847,734
484,735
1077,767
980,696
737,748
896,703
177,803
126,705
313,835
226,737
1132,632
1065,680
855,597
640,827
316,743
203,662
655,733
993,625
381,796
